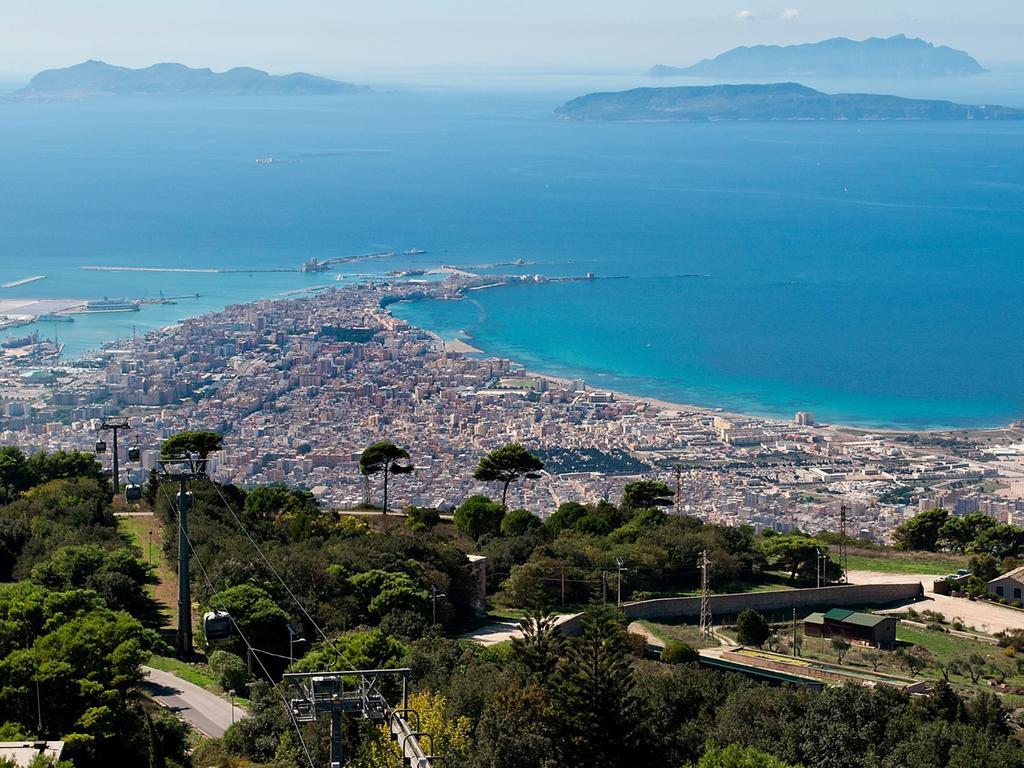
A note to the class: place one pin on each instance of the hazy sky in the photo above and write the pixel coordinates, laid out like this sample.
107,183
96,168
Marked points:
339,37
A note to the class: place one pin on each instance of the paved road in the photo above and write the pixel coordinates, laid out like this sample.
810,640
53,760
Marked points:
206,712
983,616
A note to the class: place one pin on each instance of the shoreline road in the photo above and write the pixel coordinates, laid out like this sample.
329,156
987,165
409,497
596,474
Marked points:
982,615
206,712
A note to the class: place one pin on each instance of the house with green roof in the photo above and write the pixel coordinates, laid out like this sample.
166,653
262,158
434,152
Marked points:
870,629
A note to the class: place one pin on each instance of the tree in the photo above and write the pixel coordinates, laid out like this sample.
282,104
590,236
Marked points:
957,533
478,515
678,652
230,670
598,714
540,646
647,494
1000,540
841,647
752,628
201,442
798,554
736,756
984,567
264,623
566,516
873,657
921,532
518,522
506,465
387,458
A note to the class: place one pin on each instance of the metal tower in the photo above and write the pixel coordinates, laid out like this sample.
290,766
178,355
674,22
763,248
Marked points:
183,470
115,425
705,598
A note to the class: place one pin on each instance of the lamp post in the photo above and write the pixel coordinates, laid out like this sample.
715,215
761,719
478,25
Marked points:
434,594
231,696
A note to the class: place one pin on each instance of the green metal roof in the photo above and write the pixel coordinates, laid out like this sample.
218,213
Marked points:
838,614
865,619
815,618
853,617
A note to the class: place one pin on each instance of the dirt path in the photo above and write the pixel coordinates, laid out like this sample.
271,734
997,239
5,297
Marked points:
983,616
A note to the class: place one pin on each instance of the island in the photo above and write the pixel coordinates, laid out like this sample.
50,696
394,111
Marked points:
890,57
777,101
97,78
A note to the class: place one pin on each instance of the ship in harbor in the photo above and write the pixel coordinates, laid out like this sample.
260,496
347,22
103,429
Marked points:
112,305
414,252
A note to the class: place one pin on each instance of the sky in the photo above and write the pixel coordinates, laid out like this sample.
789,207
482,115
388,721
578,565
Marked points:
342,37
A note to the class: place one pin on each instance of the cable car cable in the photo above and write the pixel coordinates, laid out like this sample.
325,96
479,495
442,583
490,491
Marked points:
249,646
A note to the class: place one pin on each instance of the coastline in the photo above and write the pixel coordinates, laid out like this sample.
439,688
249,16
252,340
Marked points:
851,428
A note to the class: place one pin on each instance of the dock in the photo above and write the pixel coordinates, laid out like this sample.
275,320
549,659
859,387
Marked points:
23,281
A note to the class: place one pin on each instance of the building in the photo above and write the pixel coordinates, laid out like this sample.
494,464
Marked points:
25,753
804,418
869,629
1009,585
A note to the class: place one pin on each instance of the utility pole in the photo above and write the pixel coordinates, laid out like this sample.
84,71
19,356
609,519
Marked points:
618,587
183,470
817,567
844,562
115,425
705,598
794,631
563,586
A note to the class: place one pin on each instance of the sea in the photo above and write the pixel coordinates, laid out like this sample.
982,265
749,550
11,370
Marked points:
871,273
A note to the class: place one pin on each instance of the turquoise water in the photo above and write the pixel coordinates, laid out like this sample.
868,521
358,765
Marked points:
868,272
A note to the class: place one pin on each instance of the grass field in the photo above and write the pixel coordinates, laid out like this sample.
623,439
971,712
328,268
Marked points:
687,633
146,535
892,561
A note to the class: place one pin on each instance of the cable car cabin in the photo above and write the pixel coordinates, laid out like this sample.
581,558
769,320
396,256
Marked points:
132,492
101,446
133,454
217,627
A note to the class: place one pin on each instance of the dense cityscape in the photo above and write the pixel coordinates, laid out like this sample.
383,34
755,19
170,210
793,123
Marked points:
299,386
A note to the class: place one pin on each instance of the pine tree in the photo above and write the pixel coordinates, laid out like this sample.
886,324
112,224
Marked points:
598,714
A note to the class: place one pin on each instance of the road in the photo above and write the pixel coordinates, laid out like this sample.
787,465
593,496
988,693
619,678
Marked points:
983,616
206,712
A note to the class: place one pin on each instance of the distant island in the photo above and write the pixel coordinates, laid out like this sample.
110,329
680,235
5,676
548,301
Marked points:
778,101
877,57
97,78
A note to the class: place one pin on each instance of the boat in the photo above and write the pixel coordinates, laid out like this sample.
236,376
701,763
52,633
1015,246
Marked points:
112,305
54,318
264,161
414,252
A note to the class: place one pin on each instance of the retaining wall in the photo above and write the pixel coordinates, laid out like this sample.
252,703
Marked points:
849,595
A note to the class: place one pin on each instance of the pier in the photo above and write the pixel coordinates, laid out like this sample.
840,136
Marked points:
24,281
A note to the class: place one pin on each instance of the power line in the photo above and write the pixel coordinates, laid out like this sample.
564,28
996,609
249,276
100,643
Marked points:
250,648
277,575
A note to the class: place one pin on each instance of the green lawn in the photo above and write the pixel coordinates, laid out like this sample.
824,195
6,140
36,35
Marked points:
892,561
686,633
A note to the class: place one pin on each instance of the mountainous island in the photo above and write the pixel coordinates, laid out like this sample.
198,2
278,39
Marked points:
877,57
778,101
97,78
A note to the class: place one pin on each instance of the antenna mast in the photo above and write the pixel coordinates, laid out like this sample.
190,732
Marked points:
705,597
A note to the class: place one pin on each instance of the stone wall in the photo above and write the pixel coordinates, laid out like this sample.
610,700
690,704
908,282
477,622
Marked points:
846,596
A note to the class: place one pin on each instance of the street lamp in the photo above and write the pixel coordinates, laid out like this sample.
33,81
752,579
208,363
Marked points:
434,594
293,636
231,695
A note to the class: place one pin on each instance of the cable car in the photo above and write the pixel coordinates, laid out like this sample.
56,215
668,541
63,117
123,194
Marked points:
101,446
133,453
132,492
217,627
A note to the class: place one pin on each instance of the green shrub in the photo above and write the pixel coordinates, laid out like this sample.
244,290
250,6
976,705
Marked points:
678,652
230,670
